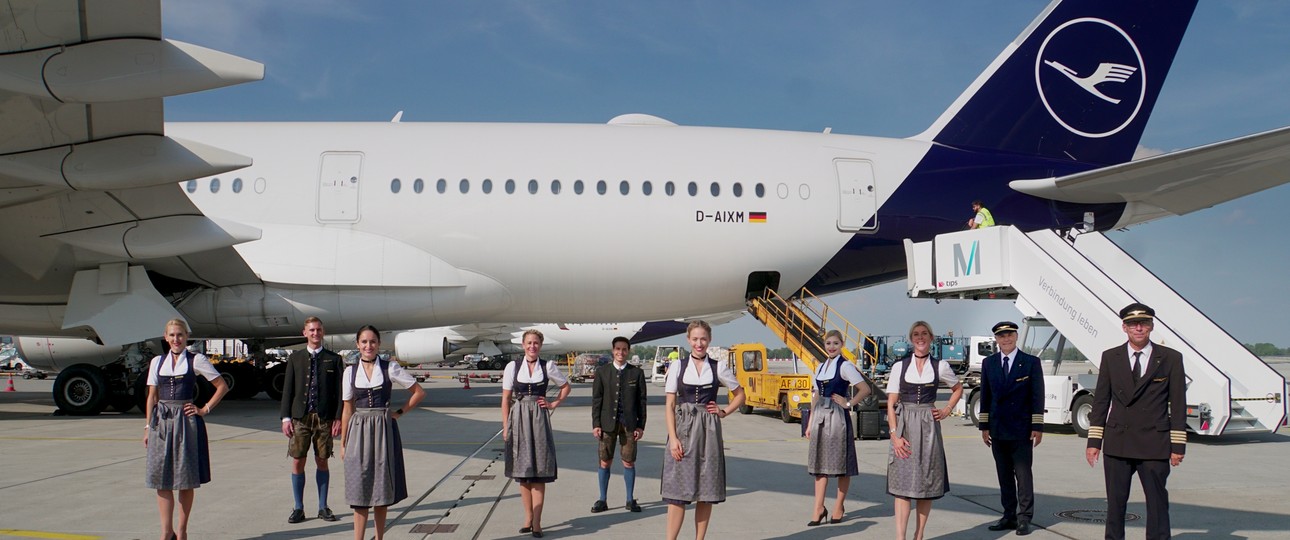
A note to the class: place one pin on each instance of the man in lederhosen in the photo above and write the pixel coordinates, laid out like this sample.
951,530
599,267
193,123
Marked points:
618,417
1012,424
311,407
1139,421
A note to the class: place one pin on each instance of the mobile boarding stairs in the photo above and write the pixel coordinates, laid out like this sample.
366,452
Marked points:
1079,282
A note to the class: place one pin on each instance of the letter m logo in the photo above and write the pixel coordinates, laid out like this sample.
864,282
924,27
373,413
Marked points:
969,265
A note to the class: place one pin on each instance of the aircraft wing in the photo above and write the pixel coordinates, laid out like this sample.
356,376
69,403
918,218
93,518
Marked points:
1177,183
89,182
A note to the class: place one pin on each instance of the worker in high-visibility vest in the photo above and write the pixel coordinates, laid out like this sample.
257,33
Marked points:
982,217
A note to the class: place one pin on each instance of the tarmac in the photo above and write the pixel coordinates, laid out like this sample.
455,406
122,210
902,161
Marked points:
82,477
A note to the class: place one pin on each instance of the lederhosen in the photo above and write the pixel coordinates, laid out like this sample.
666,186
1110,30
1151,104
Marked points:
530,443
831,450
700,476
922,475
374,473
178,450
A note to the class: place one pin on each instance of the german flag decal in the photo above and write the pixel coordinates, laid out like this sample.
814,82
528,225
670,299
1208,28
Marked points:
756,217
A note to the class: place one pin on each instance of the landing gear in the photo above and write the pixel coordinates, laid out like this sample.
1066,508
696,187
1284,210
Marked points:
81,390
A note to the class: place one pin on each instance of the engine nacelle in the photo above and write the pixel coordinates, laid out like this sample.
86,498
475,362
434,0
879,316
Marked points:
56,353
428,346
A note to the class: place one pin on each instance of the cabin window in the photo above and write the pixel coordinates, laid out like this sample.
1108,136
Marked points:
577,187
647,188
464,186
737,189
692,189
486,186
418,185
533,187
715,189
395,185
600,187
669,188
441,186
214,185
510,186
555,187
760,190
192,186
624,187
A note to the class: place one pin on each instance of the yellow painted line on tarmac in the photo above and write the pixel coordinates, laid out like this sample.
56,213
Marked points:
44,534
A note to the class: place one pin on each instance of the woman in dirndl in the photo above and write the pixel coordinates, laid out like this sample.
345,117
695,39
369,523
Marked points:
916,464
831,452
526,426
370,445
694,465
175,435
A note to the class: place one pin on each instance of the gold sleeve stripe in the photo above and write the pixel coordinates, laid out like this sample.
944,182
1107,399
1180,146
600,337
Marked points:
1095,432
1036,418
1178,437
984,417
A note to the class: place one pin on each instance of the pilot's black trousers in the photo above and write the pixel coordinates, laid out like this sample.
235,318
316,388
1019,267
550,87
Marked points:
1012,462
1119,476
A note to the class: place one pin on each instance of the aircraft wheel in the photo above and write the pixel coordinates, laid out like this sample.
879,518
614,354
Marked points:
275,379
1081,410
745,409
81,390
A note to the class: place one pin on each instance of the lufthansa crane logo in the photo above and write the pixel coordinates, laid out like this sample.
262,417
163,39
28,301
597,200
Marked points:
1091,78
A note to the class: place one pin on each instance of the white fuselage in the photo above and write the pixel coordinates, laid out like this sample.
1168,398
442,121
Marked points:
338,242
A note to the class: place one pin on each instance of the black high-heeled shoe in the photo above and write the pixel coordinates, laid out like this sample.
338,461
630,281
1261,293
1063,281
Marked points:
819,520
838,519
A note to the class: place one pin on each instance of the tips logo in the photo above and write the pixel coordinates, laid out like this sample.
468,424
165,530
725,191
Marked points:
1090,77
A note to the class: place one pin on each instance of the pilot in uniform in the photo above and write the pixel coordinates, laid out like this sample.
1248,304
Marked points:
1012,424
1139,421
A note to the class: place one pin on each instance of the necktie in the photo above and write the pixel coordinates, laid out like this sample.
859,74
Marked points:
1007,366
1137,366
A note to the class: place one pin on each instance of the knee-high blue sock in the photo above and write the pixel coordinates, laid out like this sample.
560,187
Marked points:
298,489
629,478
324,481
604,482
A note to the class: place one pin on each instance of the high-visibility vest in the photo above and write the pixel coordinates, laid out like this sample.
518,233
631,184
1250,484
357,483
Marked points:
989,219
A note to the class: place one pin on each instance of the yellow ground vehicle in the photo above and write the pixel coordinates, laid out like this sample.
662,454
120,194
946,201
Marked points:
783,392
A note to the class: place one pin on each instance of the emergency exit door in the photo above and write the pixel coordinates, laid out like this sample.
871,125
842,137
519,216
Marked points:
857,195
338,183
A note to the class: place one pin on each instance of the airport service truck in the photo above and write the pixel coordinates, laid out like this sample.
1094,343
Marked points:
785,389
1068,399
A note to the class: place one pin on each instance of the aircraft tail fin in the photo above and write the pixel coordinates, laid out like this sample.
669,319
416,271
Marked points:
1078,84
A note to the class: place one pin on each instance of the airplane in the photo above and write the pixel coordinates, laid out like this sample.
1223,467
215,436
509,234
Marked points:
117,227
439,345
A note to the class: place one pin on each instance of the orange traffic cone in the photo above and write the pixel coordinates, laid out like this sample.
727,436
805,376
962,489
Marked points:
11,388
465,379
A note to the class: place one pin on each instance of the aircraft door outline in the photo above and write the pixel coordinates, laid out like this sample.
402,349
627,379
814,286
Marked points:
857,195
339,179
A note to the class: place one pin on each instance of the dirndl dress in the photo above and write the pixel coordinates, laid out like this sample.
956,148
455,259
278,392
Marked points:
831,450
530,443
374,473
923,475
700,475
178,450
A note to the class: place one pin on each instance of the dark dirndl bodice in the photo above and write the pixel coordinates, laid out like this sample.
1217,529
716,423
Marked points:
520,390
835,386
918,392
698,394
372,398
177,387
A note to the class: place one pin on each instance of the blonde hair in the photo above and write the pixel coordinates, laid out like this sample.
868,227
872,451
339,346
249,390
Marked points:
698,324
180,323
833,333
533,331
917,324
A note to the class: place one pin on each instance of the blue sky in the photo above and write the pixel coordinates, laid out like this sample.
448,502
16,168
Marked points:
859,67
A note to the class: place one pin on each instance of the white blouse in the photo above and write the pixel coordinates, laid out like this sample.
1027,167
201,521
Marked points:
201,364
510,377
397,374
849,371
944,370
692,376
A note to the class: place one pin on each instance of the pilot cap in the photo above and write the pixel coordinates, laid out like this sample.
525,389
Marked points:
1005,326
1137,312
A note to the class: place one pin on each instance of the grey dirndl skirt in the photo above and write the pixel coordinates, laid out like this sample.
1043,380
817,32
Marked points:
700,476
923,474
832,447
178,452
530,445
374,474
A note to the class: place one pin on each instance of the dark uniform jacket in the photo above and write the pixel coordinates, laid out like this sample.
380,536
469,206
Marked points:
295,394
605,389
1143,421
1012,406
